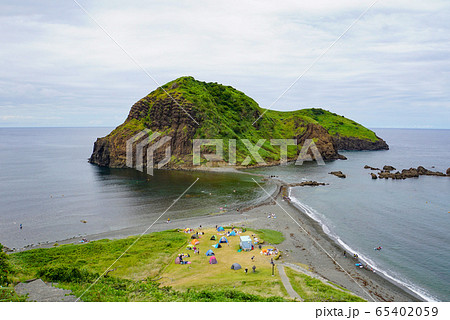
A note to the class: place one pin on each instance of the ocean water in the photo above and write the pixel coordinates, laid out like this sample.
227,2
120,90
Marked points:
409,218
47,185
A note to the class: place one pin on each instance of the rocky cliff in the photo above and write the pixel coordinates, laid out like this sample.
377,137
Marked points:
199,110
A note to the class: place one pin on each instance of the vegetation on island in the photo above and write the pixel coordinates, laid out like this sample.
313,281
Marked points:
214,111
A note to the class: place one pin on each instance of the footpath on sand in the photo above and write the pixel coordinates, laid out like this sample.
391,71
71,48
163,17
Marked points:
287,284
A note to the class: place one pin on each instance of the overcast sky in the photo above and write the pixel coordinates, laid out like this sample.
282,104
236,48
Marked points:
391,69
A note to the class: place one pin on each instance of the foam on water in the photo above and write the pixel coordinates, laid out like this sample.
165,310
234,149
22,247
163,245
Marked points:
316,216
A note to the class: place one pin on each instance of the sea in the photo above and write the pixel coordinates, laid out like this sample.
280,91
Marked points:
48,187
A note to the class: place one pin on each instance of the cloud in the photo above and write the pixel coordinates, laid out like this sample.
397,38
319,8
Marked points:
394,61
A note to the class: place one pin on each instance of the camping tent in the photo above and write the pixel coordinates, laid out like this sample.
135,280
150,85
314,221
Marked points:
177,260
209,252
235,266
232,233
212,260
190,247
213,237
195,241
194,236
223,240
246,243
217,245
220,229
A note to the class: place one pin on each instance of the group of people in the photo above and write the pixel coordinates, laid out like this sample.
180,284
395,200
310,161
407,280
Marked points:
271,216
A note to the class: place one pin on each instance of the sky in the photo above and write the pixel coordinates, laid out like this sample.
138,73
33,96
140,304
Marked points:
391,69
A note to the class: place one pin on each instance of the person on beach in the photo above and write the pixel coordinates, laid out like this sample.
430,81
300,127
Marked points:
345,254
168,220
254,269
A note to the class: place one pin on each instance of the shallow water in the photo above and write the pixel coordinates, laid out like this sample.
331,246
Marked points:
47,185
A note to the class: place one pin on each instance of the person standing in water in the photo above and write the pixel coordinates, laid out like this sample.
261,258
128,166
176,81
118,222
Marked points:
20,226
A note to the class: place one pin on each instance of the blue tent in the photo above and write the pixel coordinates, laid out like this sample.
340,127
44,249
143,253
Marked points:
220,229
223,240
209,252
232,233
217,245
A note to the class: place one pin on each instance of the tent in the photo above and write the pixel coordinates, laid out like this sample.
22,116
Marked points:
177,260
194,242
194,236
232,233
209,252
220,229
246,243
190,247
217,245
212,260
235,266
223,240
213,237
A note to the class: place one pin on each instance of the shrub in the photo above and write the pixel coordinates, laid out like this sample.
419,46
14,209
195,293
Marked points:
66,274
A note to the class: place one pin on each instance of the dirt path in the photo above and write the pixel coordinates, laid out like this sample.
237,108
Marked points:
287,284
39,291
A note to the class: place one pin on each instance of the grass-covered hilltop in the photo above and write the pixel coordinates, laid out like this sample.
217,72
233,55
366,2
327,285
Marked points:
222,112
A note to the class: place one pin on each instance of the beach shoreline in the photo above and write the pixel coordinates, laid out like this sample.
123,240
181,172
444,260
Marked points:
305,243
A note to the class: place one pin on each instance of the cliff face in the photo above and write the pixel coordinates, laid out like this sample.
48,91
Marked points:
213,111
351,143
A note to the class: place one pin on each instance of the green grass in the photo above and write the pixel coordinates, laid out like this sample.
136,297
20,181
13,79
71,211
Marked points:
147,271
312,289
271,236
145,259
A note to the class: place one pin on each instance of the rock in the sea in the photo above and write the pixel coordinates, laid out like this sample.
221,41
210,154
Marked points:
307,183
371,168
448,172
338,174
409,173
388,168
374,176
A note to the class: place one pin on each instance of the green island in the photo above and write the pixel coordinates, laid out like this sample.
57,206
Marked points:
186,109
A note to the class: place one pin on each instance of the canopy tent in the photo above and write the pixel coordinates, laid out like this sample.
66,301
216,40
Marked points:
232,233
213,237
246,243
223,240
217,245
220,229
209,252
212,260
235,266
195,241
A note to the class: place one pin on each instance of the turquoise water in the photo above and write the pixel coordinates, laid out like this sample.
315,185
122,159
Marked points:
47,185
409,218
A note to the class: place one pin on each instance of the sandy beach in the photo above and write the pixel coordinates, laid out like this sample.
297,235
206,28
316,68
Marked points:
305,243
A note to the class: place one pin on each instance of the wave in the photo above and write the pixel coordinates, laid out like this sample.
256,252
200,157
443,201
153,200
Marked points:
316,216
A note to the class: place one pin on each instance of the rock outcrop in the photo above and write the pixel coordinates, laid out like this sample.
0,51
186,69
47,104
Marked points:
409,173
307,183
338,174
355,144
371,168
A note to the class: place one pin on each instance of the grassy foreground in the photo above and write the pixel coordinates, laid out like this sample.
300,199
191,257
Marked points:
147,271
